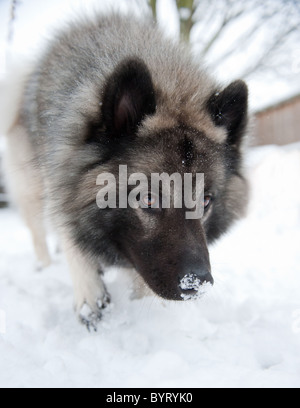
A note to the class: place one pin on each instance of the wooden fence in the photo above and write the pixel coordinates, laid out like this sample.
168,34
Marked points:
279,124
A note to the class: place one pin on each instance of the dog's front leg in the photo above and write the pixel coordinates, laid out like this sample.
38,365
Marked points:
91,297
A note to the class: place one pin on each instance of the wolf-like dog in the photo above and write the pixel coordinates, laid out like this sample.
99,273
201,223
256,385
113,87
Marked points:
112,91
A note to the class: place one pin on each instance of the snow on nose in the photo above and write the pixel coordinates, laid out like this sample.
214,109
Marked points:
193,287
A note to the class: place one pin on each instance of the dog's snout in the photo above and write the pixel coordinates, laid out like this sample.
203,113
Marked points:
194,283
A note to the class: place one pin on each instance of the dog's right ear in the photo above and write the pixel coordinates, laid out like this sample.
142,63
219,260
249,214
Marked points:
128,98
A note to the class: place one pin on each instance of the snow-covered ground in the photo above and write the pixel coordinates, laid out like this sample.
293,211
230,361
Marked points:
244,333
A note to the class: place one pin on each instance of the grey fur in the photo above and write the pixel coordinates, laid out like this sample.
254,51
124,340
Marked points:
63,100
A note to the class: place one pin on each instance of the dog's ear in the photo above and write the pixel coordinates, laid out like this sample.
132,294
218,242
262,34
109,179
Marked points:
128,97
229,109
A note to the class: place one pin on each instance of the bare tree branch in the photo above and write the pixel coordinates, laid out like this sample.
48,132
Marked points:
226,22
274,20
262,62
245,40
267,30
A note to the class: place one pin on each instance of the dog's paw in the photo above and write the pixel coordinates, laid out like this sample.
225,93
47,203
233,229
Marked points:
91,315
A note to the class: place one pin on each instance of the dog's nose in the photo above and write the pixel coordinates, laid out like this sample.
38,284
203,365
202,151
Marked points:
194,284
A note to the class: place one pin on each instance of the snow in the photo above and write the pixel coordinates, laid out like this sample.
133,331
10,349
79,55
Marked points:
194,287
245,332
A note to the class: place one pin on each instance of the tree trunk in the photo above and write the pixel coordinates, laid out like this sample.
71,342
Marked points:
186,9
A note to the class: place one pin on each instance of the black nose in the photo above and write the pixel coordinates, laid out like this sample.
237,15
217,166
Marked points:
194,283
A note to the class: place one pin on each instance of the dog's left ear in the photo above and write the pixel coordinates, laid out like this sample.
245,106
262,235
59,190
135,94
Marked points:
128,97
229,109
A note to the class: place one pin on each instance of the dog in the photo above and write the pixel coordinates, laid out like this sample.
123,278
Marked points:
108,92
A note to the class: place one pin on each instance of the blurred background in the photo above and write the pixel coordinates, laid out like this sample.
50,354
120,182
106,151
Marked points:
250,39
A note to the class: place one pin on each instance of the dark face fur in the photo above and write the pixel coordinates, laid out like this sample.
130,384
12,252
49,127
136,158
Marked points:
161,244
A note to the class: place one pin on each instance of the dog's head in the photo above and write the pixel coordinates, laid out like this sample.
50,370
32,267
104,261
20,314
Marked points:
166,247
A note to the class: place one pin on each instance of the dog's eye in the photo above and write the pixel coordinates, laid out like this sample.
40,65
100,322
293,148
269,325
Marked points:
207,201
150,200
